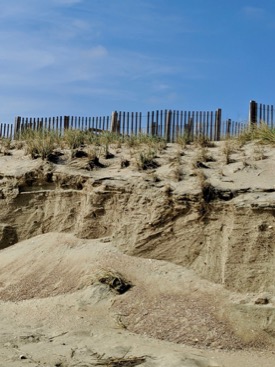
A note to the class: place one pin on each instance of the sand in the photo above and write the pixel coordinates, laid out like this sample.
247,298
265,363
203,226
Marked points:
193,238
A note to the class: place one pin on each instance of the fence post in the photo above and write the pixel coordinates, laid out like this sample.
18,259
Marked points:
66,122
218,124
17,124
117,127
190,130
228,128
253,115
114,122
168,126
154,129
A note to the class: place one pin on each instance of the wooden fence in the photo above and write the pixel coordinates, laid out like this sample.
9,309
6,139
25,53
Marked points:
61,123
261,113
168,124
6,130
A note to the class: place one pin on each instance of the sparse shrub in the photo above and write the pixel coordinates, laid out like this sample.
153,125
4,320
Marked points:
105,140
5,146
94,163
92,151
146,160
184,139
91,138
131,141
266,134
74,138
204,155
262,133
207,195
40,143
203,141
154,142
40,146
18,144
259,153
228,149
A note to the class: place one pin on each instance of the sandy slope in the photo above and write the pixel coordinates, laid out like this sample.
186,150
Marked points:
80,324
85,320
197,267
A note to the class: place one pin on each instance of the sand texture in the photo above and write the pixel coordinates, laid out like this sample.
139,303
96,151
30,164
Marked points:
115,265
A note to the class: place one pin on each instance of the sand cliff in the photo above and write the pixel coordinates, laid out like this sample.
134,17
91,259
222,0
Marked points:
193,235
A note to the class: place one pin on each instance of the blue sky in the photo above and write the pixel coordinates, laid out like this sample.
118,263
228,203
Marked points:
91,57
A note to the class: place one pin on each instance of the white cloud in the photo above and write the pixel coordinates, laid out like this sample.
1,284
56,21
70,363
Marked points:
27,59
66,2
254,12
95,52
53,51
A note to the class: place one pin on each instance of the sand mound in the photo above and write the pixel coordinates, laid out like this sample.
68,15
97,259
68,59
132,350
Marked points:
164,301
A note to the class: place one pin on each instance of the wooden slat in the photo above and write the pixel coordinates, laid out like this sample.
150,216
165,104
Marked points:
136,129
260,113
123,123
148,123
107,122
179,124
207,125
140,123
152,121
132,122
161,123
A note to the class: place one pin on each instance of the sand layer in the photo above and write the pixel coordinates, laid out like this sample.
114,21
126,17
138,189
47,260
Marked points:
193,238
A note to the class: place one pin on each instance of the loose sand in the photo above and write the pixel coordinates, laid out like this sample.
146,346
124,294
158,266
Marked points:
193,238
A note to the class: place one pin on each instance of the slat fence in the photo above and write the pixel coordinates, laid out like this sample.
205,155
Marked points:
261,113
168,124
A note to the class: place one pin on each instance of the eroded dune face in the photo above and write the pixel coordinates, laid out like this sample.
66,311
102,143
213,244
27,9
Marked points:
193,237
211,217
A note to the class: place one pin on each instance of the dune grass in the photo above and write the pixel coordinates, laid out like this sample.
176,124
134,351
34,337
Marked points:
261,133
42,142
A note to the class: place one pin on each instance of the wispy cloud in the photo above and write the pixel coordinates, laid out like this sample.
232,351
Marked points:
253,12
66,2
74,53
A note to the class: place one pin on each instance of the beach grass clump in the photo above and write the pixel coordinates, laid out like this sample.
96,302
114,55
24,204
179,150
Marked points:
262,133
5,146
266,134
106,139
74,138
40,143
203,141
183,140
151,141
146,160
228,149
